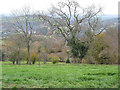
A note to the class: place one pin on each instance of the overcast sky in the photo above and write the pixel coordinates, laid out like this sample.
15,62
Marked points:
6,6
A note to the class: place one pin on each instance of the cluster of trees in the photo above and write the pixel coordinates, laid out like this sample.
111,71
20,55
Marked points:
104,48
42,48
83,37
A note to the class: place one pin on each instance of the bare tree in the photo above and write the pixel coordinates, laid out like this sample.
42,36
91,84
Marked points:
23,22
18,43
73,22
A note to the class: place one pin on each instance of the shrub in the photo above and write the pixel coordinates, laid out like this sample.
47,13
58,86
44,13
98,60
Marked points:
61,56
54,58
67,61
52,51
13,57
34,57
90,59
104,57
54,61
44,57
83,61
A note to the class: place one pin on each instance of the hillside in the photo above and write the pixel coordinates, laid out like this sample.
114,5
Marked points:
44,28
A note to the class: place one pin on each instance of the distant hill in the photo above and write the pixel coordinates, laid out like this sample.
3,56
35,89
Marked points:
109,16
41,27
44,28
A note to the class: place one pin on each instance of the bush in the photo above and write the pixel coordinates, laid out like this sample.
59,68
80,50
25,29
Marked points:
52,51
104,57
83,61
70,59
67,61
54,59
13,57
61,56
44,57
90,59
34,57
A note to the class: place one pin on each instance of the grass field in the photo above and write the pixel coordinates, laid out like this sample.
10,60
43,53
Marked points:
59,76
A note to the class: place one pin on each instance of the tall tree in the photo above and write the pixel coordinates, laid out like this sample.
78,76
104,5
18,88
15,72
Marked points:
23,22
73,22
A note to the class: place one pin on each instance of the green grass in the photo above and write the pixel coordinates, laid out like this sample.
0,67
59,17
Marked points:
59,76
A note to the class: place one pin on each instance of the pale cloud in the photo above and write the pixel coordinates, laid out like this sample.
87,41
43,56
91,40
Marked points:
6,6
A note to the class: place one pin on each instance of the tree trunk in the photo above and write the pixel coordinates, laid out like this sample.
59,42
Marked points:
18,59
13,61
33,62
39,59
28,48
27,60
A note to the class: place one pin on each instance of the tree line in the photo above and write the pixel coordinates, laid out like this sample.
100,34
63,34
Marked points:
84,38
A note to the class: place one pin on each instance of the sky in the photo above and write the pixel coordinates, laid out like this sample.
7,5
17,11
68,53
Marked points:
6,6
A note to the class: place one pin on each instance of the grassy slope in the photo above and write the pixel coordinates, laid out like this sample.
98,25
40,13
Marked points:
60,76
